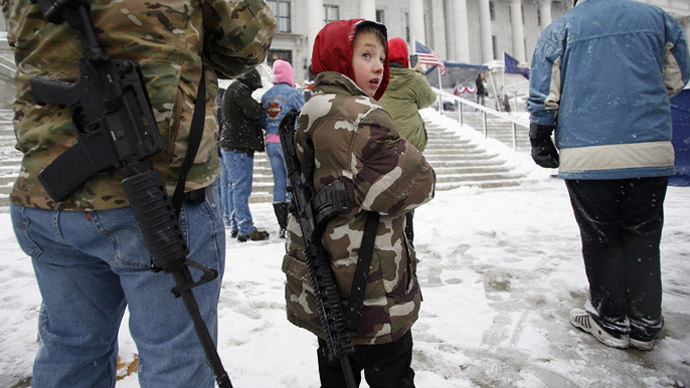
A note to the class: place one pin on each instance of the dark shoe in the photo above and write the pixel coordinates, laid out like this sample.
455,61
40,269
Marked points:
234,233
255,235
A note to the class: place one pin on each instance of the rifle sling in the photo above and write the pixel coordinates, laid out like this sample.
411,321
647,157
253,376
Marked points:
195,133
359,281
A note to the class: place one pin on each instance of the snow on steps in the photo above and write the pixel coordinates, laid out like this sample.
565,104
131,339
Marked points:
459,161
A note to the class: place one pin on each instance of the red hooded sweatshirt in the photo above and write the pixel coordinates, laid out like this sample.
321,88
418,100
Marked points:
397,49
333,48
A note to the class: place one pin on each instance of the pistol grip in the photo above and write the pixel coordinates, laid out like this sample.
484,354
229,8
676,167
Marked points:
89,156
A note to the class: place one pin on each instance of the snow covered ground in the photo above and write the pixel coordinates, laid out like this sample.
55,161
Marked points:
500,270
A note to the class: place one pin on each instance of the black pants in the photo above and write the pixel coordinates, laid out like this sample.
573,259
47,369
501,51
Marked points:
385,366
620,227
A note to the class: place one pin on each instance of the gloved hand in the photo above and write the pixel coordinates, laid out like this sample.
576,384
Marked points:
544,153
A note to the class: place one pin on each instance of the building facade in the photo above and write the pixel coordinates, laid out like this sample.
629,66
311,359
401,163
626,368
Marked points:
467,31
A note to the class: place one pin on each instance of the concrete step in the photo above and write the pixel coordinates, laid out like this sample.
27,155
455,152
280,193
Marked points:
434,152
457,163
465,157
479,184
474,177
476,169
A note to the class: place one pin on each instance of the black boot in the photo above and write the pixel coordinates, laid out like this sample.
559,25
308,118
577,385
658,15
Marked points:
281,210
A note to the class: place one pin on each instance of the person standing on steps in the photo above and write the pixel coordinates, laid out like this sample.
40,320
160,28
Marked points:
276,102
481,86
240,137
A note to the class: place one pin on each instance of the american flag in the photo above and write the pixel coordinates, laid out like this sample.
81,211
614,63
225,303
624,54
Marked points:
428,56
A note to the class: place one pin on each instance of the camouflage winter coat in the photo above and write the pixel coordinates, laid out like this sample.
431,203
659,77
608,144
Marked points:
170,40
356,142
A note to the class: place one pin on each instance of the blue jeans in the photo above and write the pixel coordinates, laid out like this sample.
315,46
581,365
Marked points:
275,156
90,266
226,189
240,172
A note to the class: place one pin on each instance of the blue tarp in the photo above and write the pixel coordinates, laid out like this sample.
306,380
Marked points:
457,73
459,65
680,116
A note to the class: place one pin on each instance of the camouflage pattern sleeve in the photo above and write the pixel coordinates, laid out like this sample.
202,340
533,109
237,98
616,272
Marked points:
239,36
390,175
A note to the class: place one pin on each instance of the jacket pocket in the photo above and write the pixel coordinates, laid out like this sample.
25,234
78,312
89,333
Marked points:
299,295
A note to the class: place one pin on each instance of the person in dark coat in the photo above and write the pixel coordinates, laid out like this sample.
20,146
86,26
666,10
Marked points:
480,83
240,137
224,183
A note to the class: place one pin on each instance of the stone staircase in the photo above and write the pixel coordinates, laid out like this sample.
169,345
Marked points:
462,162
458,161
262,184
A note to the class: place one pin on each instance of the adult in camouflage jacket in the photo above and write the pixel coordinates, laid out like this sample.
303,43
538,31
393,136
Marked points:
356,142
91,261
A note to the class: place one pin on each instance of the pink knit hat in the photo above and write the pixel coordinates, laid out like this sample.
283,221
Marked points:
282,72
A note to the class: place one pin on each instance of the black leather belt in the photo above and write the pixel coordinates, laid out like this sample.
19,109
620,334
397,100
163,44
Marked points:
196,196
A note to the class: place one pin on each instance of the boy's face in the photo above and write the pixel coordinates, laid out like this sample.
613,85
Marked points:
368,58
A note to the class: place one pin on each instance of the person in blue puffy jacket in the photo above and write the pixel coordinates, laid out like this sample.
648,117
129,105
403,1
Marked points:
276,102
601,77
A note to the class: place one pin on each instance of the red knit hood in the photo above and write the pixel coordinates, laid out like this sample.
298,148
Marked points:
333,50
397,48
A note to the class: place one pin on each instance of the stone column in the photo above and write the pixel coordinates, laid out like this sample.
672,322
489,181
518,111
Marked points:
461,34
416,19
485,31
545,9
315,15
367,9
518,30
450,29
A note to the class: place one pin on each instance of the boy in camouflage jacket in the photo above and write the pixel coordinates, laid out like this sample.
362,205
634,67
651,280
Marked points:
355,141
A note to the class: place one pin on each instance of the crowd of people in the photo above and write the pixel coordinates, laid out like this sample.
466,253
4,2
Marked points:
612,145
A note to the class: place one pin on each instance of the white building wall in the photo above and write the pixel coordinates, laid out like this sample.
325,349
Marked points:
438,25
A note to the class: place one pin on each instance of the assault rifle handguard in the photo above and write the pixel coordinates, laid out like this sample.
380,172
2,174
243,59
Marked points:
314,211
110,107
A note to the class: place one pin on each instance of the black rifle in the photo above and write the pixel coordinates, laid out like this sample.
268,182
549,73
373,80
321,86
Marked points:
314,211
121,134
